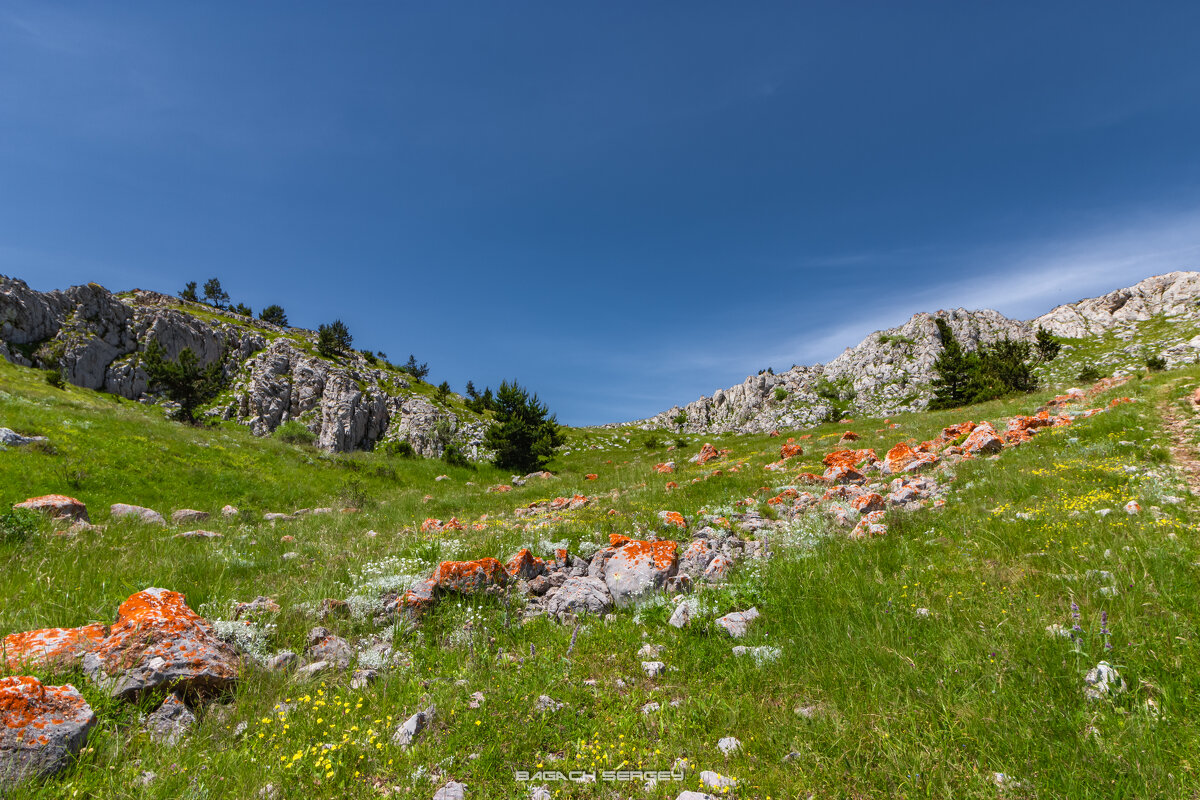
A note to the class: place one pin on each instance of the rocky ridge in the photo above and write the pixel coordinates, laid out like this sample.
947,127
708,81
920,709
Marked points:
95,339
890,371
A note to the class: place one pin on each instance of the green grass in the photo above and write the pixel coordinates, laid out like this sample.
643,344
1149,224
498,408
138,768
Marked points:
906,706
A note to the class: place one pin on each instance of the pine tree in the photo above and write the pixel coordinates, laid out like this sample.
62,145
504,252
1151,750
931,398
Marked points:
334,339
275,315
1047,345
524,435
184,380
952,386
189,292
214,294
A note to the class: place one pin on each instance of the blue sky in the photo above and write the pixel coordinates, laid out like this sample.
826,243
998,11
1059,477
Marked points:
621,205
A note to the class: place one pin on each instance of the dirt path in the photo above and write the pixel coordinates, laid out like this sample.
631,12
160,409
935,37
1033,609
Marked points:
1181,448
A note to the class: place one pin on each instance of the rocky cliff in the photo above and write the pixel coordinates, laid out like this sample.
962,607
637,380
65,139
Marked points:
890,371
95,339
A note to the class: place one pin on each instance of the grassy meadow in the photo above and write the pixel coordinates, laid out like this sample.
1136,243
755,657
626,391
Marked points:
916,664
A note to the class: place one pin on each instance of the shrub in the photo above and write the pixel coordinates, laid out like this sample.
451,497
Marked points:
243,310
680,419
652,442
1156,363
780,394
1047,345
183,381
353,493
333,339
1089,374
54,378
525,433
275,315
681,443
294,432
18,525
402,449
443,392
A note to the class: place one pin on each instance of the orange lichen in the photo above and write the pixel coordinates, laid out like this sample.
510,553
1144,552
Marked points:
661,554
849,436
790,449
664,469
55,647
707,453
849,458
675,518
591,476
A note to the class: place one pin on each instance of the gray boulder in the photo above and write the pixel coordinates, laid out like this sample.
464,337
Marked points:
579,595
170,722
406,734
41,728
146,515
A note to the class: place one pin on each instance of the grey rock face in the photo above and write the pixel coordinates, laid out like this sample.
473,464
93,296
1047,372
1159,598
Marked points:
41,728
891,371
579,595
96,339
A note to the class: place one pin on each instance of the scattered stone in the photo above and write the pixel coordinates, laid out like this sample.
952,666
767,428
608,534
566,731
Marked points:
188,515
229,511
1103,680
736,623
283,660
310,670
715,780
199,535
258,606
57,506
469,576
689,795
362,678
761,655
681,616
170,722
41,728
323,645
1132,508
10,438
407,733
639,568
453,790
653,668
476,700
649,651
147,516
547,703
729,745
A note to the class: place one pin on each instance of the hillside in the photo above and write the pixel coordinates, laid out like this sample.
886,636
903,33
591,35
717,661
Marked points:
997,601
890,371
96,340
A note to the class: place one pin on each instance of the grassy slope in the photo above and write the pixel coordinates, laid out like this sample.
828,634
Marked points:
908,706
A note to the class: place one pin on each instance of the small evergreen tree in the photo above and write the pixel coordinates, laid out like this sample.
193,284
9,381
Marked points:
952,387
214,294
242,309
1047,345
184,380
443,392
334,339
525,434
189,292
275,315
418,371
472,392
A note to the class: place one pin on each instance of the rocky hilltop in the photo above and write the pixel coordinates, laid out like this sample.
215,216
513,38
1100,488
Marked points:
890,371
95,338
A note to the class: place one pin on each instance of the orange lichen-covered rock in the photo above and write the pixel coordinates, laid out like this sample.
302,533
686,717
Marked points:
842,474
453,525
500,487
638,568
955,431
903,458
696,557
41,728
525,565
591,476
672,485
849,458
673,518
665,468
54,648
57,506
158,644
707,454
983,439
469,576
773,434
808,477
431,525
870,525
867,503
1116,401
420,597
849,436
790,449
1018,436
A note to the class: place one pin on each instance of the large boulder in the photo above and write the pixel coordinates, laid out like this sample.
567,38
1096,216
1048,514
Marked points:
580,595
158,644
469,576
41,728
140,513
57,506
639,568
